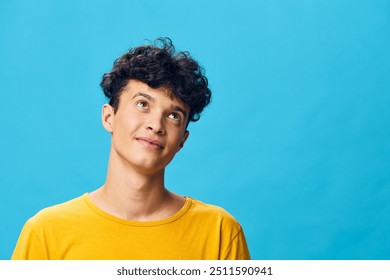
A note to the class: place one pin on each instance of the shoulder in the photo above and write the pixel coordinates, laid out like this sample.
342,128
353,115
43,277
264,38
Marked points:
221,228
58,212
213,214
202,207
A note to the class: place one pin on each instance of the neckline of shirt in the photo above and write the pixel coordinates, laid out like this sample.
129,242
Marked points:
174,217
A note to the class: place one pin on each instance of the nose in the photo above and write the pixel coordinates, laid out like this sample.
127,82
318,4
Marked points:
156,124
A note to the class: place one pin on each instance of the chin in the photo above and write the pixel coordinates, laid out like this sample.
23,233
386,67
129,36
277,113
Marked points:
149,166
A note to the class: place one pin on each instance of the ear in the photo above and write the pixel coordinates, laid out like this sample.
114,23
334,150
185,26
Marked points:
108,117
185,137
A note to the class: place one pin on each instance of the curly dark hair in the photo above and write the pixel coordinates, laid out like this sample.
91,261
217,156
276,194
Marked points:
158,65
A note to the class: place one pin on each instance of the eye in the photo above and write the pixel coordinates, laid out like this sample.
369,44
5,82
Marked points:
142,104
175,117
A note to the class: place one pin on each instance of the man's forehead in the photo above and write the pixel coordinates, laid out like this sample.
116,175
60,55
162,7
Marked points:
135,87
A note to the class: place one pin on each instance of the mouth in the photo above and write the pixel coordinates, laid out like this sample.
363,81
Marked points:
150,143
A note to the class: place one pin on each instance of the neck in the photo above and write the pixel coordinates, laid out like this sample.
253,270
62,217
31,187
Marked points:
133,195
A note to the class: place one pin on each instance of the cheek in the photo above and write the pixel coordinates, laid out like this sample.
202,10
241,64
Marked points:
177,140
121,135
127,123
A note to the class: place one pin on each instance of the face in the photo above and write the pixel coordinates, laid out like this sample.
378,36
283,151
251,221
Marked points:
149,127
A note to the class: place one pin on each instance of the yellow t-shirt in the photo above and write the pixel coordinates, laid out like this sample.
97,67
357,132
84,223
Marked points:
78,230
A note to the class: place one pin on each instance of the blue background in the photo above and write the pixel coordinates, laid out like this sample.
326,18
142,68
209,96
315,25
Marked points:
296,143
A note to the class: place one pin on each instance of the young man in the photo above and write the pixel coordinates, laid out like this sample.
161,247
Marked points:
153,94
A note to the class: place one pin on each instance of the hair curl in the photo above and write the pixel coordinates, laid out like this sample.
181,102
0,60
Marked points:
158,65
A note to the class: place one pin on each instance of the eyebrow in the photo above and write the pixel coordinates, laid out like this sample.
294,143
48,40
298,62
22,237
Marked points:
147,96
151,98
180,109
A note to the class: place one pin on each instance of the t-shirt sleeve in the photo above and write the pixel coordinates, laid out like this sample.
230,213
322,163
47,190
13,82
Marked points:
238,248
29,245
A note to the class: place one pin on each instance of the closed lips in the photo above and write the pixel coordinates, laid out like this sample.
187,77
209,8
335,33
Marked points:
150,141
